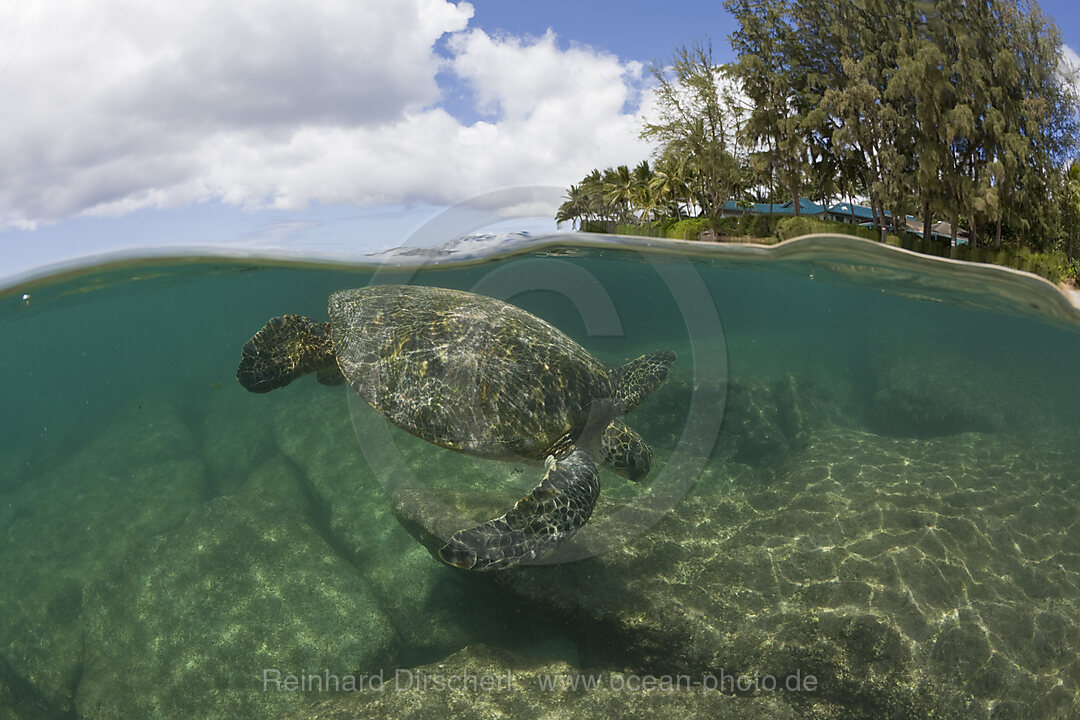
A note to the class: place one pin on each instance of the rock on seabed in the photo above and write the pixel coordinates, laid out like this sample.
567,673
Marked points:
188,626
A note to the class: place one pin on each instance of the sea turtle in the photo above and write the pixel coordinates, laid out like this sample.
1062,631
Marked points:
479,376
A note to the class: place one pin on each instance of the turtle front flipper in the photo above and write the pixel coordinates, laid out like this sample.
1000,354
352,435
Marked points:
545,518
639,377
625,452
284,349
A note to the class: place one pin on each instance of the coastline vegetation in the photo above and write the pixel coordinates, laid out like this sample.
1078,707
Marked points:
943,110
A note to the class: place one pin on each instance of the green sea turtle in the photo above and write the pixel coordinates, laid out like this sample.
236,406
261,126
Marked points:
483,377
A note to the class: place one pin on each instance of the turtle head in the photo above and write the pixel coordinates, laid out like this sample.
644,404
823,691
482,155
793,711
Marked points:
625,452
284,349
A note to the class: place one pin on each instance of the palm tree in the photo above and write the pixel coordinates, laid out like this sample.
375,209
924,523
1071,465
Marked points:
646,202
596,207
618,186
1072,209
575,208
663,188
643,199
669,183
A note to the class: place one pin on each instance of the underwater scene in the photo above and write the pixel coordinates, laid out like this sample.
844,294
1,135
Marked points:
843,484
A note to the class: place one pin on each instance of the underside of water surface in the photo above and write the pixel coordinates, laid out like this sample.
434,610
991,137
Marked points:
862,503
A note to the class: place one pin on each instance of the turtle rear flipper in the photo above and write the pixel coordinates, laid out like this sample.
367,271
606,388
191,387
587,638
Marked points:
639,377
625,452
545,518
330,376
284,349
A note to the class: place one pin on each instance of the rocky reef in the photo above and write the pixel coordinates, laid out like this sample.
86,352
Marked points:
910,394
245,586
66,527
907,584
910,578
161,568
485,682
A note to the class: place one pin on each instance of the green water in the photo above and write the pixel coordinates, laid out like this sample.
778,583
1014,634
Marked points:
866,468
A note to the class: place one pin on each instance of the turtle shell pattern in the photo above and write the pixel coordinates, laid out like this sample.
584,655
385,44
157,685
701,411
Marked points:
466,372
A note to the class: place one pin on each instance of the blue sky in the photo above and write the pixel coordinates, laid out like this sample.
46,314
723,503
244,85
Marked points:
338,129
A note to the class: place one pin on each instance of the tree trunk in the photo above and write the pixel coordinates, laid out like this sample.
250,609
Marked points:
952,230
997,234
927,226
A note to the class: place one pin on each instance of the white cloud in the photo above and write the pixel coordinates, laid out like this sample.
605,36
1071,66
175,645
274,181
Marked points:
1070,66
509,74
1070,56
117,105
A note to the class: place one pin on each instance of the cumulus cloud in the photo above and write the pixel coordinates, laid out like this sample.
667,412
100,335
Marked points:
118,105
